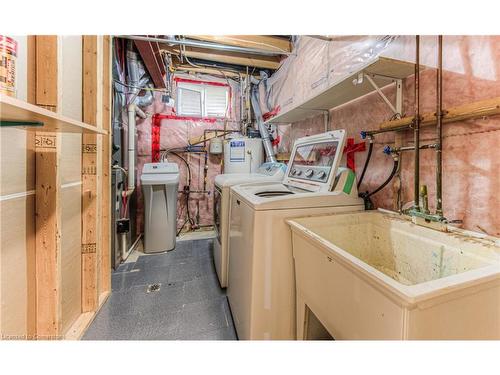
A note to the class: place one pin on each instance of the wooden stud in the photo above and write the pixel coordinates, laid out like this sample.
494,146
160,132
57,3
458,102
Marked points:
106,169
31,165
89,177
46,70
48,210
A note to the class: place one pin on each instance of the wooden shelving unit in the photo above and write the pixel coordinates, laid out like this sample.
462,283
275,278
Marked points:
12,109
381,71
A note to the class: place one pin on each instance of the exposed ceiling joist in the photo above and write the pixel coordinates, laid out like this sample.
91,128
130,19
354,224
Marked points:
266,62
262,42
212,71
151,62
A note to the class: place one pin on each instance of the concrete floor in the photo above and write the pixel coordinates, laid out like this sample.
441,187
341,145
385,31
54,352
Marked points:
190,304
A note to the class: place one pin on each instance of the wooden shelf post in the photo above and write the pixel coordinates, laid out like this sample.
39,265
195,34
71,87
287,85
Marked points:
48,200
89,177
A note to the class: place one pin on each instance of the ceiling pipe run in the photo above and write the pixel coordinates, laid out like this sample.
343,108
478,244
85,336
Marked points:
208,45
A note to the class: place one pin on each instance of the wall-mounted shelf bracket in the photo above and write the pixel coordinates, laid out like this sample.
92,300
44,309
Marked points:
396,108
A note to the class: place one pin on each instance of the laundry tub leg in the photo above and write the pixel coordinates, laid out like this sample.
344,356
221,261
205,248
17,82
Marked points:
302,317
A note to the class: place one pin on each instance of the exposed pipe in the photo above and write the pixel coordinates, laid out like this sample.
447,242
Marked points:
135,84
147,99
264,133
439,129
416,129
131,110
208,45
391,150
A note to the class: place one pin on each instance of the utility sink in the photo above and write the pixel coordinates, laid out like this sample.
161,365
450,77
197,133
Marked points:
375,275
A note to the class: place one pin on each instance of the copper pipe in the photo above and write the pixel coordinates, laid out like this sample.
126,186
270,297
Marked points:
439,129
411,148
416,129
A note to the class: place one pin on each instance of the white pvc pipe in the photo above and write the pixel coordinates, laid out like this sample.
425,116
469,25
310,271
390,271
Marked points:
131,148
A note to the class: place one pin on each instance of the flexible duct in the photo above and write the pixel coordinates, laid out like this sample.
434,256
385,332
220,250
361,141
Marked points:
264,133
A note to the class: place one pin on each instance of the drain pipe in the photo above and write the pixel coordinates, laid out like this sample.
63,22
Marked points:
439,129
136,84
133,111
264,133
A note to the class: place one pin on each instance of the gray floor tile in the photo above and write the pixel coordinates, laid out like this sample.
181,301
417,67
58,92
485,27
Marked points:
190,305
107,327
123,280
201,317
124,267
202,288
148,274
185,271
203,248
170,297
157,325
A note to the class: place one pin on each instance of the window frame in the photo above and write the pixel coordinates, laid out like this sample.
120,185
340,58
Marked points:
204,115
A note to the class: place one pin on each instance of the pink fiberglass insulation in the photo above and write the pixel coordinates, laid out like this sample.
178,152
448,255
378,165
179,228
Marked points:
471,152
175,133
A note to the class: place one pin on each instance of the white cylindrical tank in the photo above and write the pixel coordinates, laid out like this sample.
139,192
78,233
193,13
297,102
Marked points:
243,155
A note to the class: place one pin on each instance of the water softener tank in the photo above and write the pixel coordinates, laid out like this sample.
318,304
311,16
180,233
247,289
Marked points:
243,155
160,182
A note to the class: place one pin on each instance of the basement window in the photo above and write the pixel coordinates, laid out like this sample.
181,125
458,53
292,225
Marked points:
202,99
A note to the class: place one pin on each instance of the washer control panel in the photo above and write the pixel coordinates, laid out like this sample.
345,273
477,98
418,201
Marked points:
271,169
314,161
313,173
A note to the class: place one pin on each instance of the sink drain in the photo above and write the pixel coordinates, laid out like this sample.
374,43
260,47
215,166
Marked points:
153,288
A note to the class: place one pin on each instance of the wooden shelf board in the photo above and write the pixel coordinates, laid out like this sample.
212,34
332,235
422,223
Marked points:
12,109
344,91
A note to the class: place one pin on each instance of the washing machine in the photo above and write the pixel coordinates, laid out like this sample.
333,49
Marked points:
261,282
267,172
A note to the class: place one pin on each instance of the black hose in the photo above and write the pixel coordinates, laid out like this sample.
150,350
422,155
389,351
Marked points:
367,161
393,172
186,191
185,162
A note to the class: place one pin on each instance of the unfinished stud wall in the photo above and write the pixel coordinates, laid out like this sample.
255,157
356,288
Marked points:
20,317
471,156
70,93
17,219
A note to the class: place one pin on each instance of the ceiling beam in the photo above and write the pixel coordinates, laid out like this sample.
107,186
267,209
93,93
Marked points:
266,62
212,71
151,62
262,42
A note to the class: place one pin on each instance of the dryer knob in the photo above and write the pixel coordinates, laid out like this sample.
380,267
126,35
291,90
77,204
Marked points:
322,175
309,173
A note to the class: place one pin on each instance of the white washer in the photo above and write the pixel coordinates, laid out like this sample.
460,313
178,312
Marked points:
267,172
261,282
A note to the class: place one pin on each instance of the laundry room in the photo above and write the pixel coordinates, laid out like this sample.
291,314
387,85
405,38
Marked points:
272,184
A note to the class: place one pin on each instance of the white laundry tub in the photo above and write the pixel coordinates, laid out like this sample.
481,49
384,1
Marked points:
372,275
